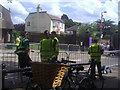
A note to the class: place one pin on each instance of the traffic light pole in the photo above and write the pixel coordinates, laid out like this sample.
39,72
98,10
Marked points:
101,35
101,29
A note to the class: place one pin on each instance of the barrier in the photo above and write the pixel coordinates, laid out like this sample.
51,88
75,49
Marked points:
36,46
109,58
67,51
11,59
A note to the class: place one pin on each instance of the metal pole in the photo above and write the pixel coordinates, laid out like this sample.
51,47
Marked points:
101,35
101,30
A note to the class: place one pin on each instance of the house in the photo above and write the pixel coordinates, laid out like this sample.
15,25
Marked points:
6,25
40,21
72,34
72,30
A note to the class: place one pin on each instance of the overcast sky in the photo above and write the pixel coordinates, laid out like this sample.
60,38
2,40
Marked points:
84,11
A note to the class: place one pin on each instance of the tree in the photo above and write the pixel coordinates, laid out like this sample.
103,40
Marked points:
15,34
20,27
64,17
84,34
68,22
109,28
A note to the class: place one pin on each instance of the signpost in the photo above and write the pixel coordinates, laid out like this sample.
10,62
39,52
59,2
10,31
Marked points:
101,26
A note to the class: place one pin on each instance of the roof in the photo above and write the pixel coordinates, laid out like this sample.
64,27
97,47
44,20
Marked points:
51,16
73,28
55,17
6,22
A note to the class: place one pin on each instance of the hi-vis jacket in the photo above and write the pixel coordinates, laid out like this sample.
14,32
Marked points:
56,46
95,52
17,41
46,49
23,46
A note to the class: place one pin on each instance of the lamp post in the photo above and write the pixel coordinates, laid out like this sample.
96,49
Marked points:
101,24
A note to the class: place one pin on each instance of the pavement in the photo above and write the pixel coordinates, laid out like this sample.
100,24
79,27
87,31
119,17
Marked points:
112,81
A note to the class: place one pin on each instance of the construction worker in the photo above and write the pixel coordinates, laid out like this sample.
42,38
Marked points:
95,52
23,50
46,47
55,46
18,41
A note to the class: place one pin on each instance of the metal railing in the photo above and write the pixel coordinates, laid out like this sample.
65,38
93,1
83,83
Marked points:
67,51
109,58
36,46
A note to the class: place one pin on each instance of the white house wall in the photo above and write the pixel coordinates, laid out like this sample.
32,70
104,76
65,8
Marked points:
38,22
63,28
51,26
33,25
56,24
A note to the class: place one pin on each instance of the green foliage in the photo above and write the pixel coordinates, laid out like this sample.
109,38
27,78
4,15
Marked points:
64,17
91,29
109,28
15,34
68,22
94,31
107,37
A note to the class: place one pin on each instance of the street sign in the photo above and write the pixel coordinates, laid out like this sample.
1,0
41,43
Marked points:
100,26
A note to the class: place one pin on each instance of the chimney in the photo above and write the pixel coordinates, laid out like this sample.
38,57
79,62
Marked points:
38,8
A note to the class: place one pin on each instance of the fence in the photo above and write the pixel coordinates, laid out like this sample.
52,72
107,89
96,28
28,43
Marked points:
108,58
67,51
36,46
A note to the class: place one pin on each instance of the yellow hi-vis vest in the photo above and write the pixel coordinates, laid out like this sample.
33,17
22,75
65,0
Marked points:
56,48
17,41
24,44
46,49
95,52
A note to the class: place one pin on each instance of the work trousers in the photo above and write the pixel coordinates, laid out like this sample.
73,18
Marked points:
54,59
93,65
24,60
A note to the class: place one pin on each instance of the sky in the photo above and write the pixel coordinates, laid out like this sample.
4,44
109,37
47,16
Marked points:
83,11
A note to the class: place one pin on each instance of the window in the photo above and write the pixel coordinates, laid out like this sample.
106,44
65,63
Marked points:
69,32
56,23
62,25
0,15
28,23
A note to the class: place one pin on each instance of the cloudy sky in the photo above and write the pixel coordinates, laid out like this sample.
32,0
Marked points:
85,11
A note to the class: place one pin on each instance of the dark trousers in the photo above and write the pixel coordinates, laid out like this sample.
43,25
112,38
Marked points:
93,65
24,60
54,59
